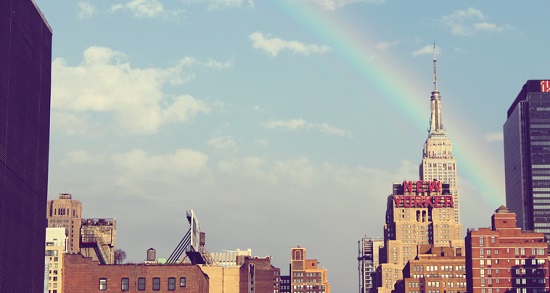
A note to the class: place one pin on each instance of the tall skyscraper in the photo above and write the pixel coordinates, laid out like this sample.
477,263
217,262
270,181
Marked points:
66,212
527,156
427,211
25,82
438,161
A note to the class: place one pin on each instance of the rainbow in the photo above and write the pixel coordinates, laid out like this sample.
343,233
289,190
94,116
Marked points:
355,46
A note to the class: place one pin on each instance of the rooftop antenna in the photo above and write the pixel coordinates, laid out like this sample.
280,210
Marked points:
435,71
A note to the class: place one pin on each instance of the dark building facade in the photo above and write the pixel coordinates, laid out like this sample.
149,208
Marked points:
25,73
527,156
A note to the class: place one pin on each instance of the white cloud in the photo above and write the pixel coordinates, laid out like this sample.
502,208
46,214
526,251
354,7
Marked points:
84,157
293,171
427,50
273,45
85,10
146,9
220,4
489,27
183,108
138,164
292,124
218,65
73,124
470,21
261,142
220,142
298,171
335,4
106,83
494,137
298,124
386,45
250,167
258,109
330,130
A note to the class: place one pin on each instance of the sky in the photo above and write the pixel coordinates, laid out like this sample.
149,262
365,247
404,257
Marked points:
280,123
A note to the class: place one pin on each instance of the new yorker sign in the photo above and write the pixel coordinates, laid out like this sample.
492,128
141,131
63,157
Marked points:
422,194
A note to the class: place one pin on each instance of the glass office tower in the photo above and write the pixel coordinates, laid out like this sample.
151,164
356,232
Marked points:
527,157
25,70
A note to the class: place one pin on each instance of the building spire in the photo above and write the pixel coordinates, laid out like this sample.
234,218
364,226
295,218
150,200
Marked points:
436,123
435,71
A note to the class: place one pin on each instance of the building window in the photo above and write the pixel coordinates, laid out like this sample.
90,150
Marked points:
156,284
183,282
171,284
103,284
125,284
141,284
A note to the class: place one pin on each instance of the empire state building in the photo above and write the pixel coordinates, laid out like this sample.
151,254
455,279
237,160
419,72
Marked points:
438,161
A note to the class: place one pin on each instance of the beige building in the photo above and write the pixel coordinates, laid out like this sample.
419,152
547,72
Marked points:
305,275
427,211
56,246
418,213
228,258
224,274
438,160
66,212
251,274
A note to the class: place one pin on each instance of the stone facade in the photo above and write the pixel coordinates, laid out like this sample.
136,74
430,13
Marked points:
66,212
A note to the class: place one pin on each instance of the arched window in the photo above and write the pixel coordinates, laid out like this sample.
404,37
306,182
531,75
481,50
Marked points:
298,255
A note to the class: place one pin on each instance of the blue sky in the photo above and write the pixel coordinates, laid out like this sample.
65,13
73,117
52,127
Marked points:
280,123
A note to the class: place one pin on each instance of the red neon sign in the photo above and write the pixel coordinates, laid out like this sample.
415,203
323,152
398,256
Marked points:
433,186
417,201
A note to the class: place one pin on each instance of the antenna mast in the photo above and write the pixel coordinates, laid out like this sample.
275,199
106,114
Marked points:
435,71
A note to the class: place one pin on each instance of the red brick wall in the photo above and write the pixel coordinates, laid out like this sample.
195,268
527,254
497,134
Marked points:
500,260
264,275
81,274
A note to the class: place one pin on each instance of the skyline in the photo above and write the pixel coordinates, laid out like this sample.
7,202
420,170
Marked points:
239,109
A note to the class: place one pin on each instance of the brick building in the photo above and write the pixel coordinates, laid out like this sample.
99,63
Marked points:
249,274
505,259
258,275
435,269
305,275
82,274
